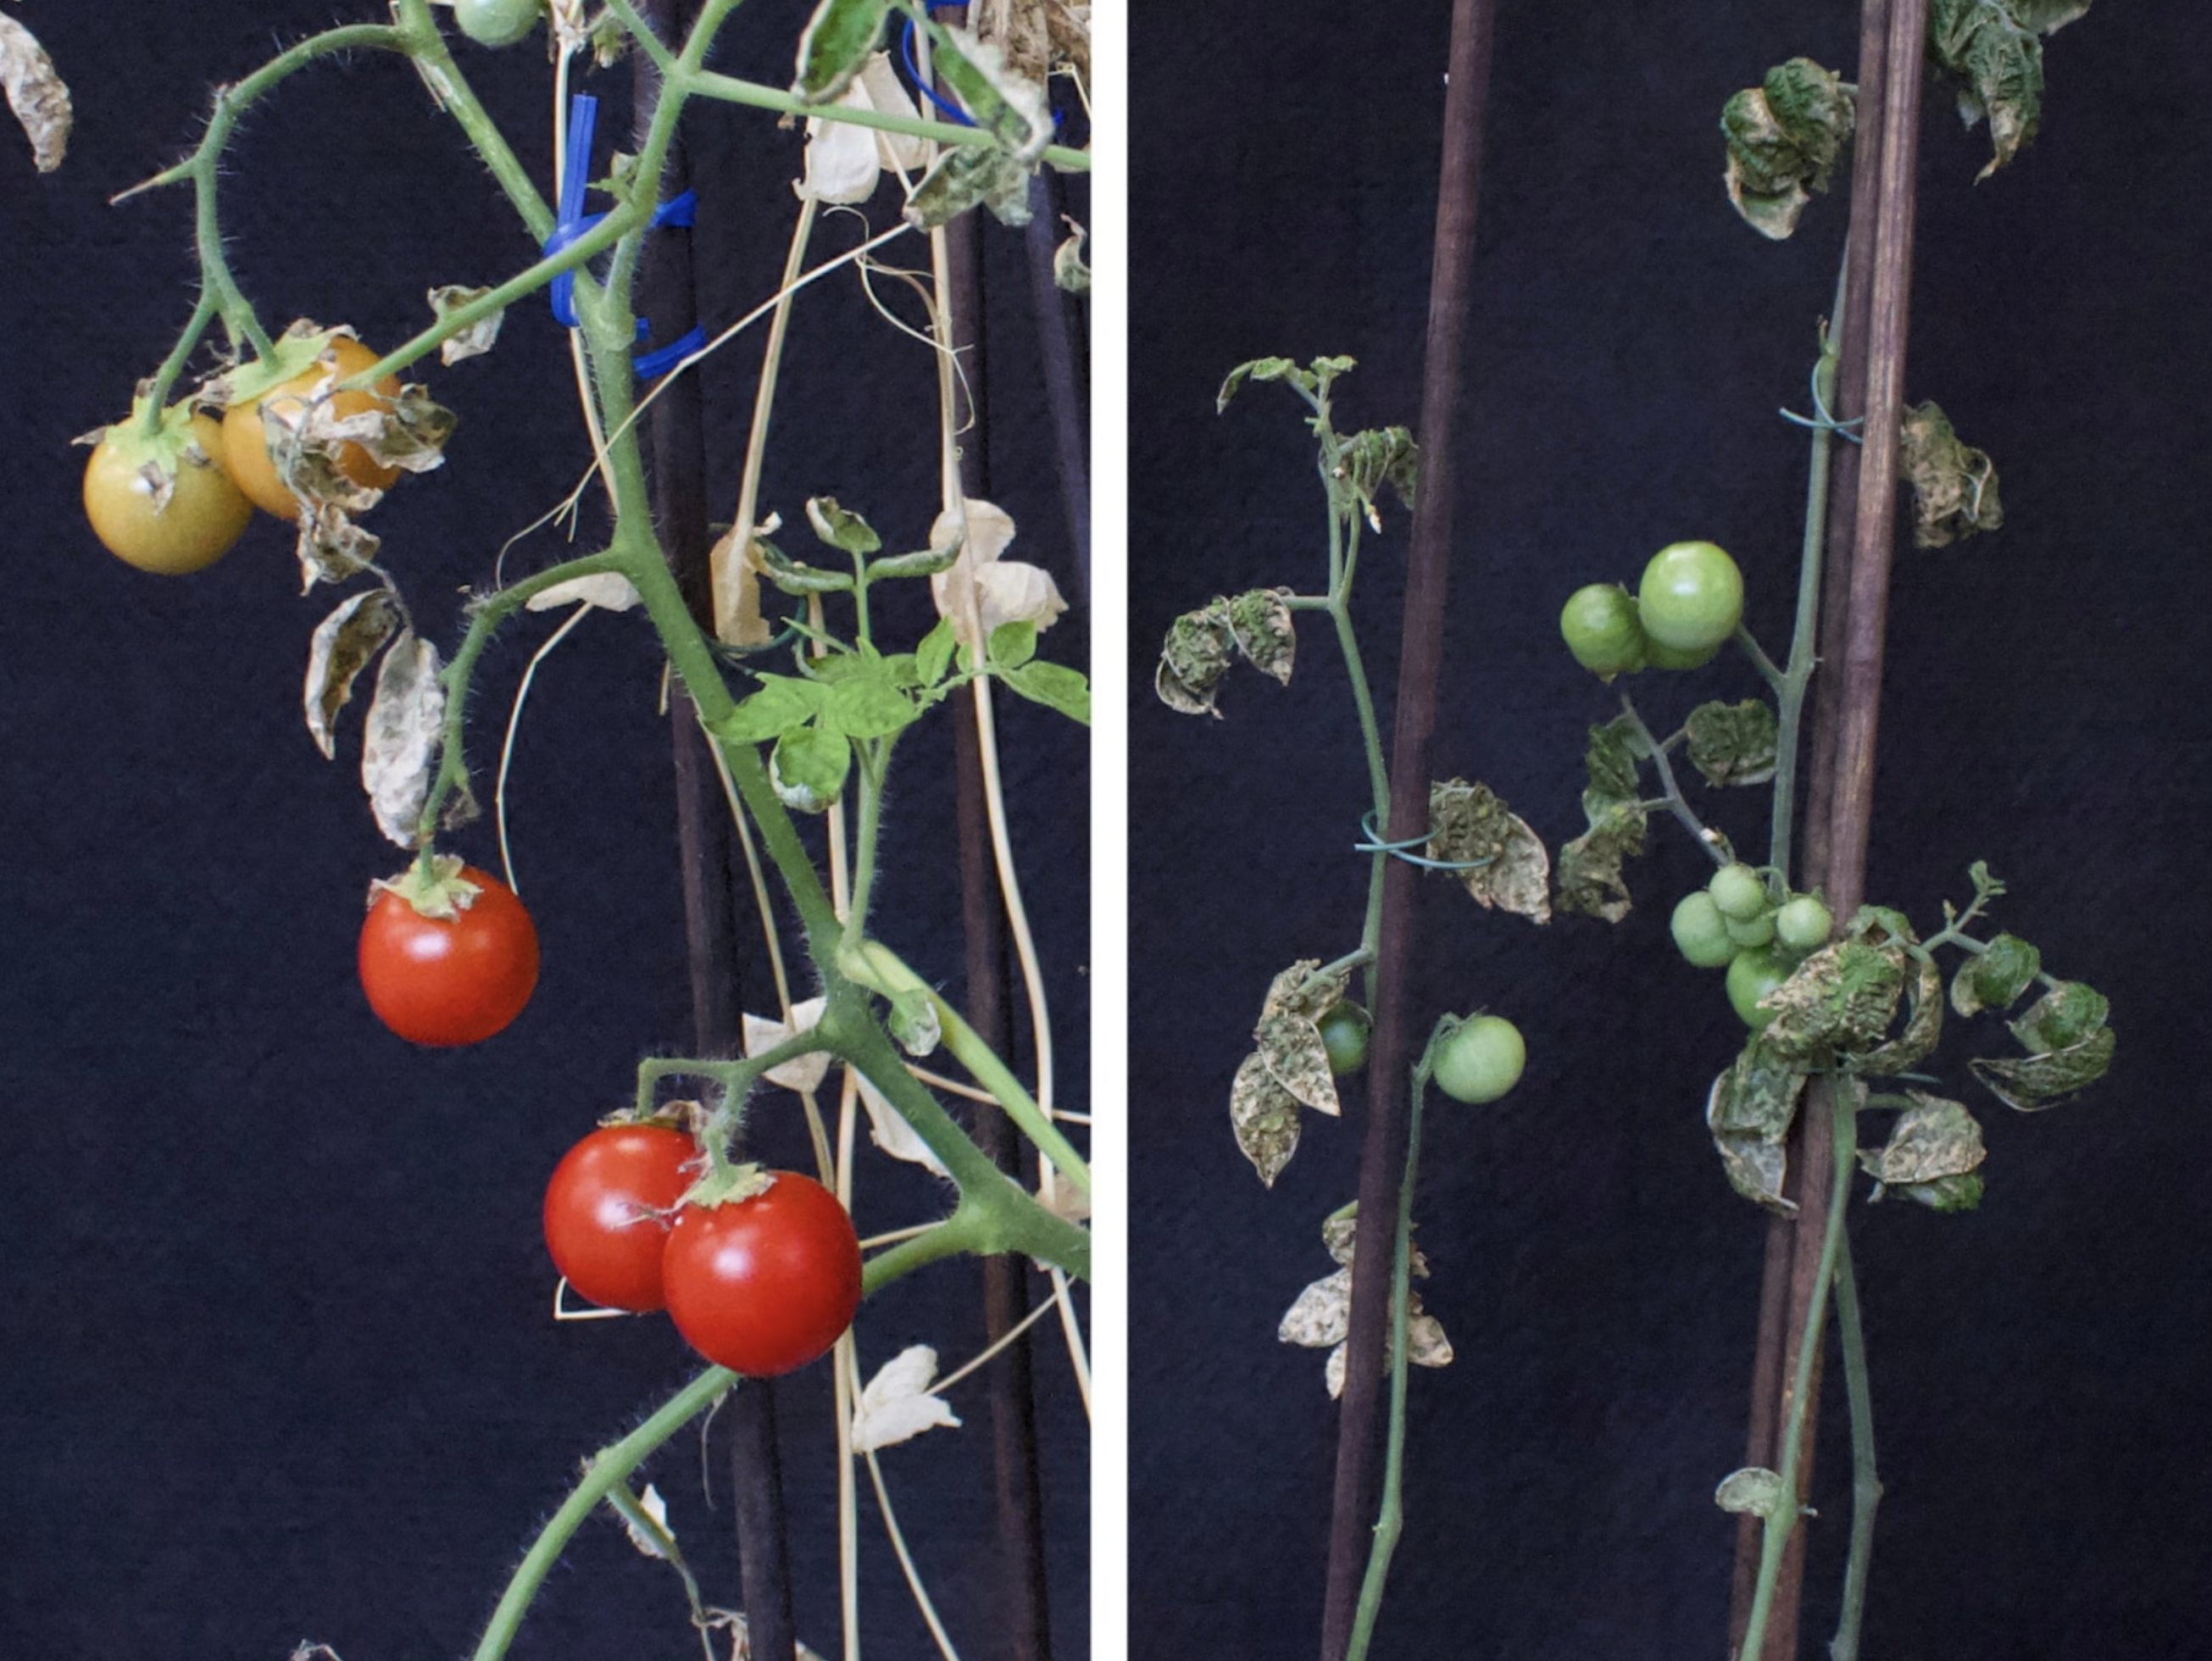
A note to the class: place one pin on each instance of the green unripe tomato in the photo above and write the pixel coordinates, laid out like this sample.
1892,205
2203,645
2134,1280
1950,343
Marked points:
1701,934
497,22
1656,656
1691,596
1752,932
1600,627
1751,977
1804,923
1343,1028
1481,1061
1738,891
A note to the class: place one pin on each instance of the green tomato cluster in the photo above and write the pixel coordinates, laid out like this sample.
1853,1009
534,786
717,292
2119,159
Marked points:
1736,924
1688,603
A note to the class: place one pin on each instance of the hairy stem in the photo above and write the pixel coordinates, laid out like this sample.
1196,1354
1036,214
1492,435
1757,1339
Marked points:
1866,1484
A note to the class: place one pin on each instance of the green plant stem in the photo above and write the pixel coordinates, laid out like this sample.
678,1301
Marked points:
453,768
736,1076
1866,1484
1774,1536
730,90
875,763
1804,636
219,290
450,88
608,1469
1391,1522
1710,840
877,967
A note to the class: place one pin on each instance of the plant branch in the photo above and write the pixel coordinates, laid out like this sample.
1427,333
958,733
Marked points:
1866,1484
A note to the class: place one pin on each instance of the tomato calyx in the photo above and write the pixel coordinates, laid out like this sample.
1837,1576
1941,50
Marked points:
294,353
436,887
726,1184
155,452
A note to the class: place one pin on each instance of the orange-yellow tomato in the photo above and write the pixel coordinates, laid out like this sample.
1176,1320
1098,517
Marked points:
203,515
245,441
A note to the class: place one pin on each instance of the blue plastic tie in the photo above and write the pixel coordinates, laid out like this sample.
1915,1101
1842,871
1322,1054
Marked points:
681,211
1374,844
952,112
1821,421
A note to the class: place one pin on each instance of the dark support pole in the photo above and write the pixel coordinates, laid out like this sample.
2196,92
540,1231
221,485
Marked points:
1382,1155
1022,1605
675,440
1847,715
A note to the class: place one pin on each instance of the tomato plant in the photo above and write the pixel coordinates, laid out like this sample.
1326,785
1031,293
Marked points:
1700,932
1756,973
1690,596
765,1283
1480,1061
609,1208
1803,923
455,978
161,501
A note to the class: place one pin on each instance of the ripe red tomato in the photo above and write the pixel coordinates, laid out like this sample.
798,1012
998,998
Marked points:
763,1285
449,980
606,1221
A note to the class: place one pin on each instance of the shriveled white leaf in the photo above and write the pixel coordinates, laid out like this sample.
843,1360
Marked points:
1323,1314
479,337
610,591
343,645
804,1072
36,93
1425,1344
1005,592
1063,1199
845,161
1332,1372
897,1405
656,1509
405,720
572,29
889,1130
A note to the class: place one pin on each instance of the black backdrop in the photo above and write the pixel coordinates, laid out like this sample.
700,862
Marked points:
2040,1373
275,1355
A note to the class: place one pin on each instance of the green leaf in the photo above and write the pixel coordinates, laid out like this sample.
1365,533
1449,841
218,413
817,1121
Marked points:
1754,1491
868,706
1265,1117
1589,880
808,768
1055,686
840,527
923,562
783,704
1261,625
1368,461
793,578
1509,868
1923,1027
834,47
932,658
968,176
1012,645
1946,1193
1733,743
1611,758
1954,486
1005,103
1994,980
1198,651
1931,1140
1749,1111
2069,1048
1784,137
1839,1000
1991,48
1260,368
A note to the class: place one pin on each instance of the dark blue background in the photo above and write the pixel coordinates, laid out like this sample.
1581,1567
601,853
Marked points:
2040,1372
275,1353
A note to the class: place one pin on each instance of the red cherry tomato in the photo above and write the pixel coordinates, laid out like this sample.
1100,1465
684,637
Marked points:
606,1221
449,980
764,1285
